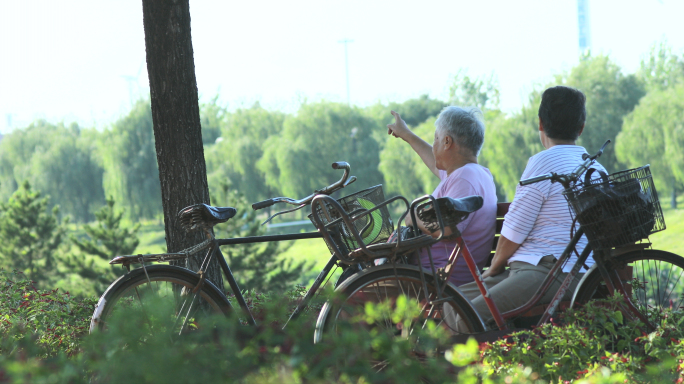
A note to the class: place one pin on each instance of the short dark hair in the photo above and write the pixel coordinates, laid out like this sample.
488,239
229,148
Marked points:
562,112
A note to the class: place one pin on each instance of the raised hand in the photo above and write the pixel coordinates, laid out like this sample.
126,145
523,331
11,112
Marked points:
398,128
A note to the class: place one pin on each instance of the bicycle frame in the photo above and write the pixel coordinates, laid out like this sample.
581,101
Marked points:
611,278
501,318
228,274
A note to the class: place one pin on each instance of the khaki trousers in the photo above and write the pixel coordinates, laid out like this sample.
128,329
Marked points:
510,289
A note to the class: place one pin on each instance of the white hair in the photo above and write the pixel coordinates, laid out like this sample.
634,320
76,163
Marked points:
464,125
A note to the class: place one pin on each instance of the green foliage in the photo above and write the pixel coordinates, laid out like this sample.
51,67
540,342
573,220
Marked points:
662,69
414,112
106,239
43,341
509,142
656,126
212,118
478,92
130,163
591,340
227,352
48,322
57,159
403,170
30,233
320,134
257,266
610,96
234,158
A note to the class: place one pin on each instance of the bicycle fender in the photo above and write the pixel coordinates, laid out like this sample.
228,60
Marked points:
588,273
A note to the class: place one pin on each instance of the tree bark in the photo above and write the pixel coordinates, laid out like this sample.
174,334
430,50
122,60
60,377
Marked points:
175,114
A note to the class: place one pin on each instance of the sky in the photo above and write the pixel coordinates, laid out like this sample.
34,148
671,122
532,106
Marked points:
84,61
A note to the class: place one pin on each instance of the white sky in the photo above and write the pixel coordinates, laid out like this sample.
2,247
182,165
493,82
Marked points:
67,60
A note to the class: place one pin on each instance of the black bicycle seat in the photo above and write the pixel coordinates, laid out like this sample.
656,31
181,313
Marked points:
468,204
452,211
204,216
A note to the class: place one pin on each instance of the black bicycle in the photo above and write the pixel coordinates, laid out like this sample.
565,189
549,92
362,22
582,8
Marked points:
187,296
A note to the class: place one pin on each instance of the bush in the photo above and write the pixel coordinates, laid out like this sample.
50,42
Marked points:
44,341
51,321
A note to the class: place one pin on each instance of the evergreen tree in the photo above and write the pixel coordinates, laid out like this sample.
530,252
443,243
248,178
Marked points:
106,238
30,234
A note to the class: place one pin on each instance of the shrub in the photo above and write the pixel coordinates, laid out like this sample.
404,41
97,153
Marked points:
44,341
52,321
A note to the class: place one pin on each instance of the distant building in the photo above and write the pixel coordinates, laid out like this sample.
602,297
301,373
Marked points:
583,24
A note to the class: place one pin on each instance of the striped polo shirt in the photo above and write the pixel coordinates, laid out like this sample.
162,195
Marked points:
539,217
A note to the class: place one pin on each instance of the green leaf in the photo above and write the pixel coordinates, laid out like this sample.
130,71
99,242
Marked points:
618,316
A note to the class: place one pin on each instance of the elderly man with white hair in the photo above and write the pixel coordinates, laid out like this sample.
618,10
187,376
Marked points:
459,135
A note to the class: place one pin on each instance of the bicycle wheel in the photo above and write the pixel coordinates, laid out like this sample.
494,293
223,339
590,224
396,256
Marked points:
654,281
163,294
385,283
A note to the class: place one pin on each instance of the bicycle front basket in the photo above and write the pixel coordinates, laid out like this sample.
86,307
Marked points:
374,228
620,209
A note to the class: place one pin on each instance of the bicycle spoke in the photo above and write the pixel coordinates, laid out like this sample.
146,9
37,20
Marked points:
671,288
657,279
185,321
674,287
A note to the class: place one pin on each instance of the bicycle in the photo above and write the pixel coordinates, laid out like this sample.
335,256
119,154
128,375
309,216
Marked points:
181,290
647,279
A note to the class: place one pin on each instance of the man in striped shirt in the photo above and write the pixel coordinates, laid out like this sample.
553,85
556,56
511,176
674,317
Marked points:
536,229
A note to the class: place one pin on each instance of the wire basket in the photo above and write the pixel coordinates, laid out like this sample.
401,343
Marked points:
373,228
617,209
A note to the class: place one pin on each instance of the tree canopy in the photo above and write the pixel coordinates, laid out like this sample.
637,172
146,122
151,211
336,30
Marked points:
610,96
57,159
654,133
129,157
319,135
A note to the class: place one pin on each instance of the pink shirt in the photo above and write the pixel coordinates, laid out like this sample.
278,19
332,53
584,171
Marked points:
477,230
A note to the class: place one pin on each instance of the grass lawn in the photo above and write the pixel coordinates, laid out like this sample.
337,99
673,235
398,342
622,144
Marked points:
312,250
671,238
152,238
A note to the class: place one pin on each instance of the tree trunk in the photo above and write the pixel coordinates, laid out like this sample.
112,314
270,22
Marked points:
175,113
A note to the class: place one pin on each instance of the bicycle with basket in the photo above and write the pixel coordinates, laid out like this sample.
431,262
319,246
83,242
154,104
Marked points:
616,212
188,296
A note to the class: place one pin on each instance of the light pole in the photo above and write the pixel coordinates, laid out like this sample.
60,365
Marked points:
346,64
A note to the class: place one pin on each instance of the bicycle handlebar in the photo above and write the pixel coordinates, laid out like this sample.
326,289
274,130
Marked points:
341,183
569,178
537,179
263,204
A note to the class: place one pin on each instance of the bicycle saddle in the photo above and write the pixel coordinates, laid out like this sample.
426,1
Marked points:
468,204
452,211
200,216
